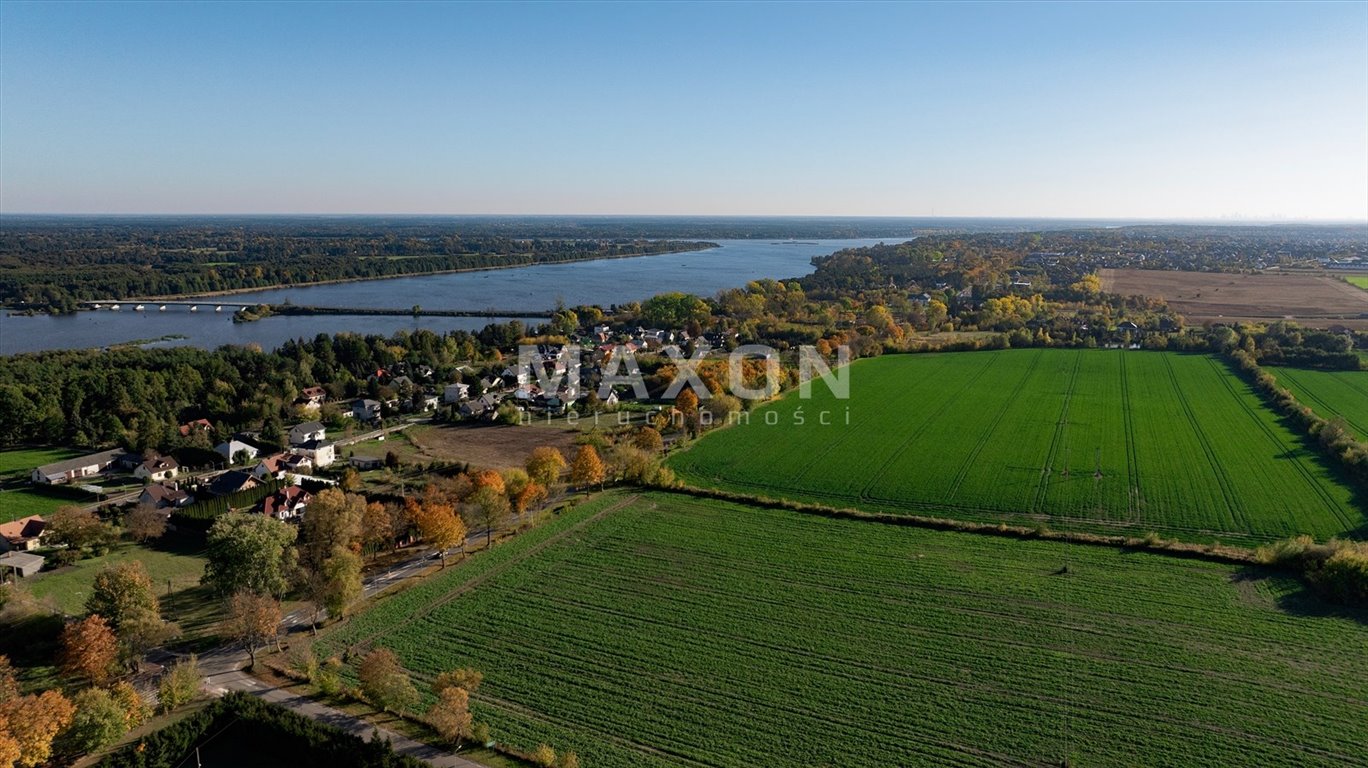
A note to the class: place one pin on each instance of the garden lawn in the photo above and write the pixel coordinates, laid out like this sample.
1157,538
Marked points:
67,589
1099,440
664,630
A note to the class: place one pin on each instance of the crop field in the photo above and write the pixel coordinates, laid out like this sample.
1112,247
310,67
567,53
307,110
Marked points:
1100,440
1312,300
662,630
1330,394
1359,280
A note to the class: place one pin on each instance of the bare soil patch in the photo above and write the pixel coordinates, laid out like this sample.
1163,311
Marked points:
1311,300
488,447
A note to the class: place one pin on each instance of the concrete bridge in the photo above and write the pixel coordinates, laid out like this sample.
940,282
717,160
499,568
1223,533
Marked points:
213,305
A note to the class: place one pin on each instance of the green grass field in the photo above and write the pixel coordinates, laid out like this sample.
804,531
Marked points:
68,588
663,630
19,462
1111,441
1330,394
1359,280
23,501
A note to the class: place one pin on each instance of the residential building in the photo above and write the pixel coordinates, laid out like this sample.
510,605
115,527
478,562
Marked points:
307,432
287,503
320,453
231,482
70,470
455,393
366,409
157,469
230,449
165,496
23,534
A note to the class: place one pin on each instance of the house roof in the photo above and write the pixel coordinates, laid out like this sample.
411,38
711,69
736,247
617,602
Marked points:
22,560
314,392
191,426
308,426
160,464
23,528
166,493
63,467
285,499
231,481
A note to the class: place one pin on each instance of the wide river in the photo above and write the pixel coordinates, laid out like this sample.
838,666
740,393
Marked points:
534,288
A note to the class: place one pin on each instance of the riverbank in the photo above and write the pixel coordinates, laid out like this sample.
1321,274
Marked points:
698,247
256,312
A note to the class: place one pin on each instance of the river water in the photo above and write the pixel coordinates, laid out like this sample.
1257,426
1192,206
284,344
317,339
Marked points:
534,288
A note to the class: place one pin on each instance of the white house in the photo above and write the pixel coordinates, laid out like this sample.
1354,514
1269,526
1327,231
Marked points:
455,393
233,447
307,432
320,453
157,469
75,469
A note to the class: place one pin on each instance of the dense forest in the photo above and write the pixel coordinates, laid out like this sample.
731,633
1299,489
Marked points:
53,264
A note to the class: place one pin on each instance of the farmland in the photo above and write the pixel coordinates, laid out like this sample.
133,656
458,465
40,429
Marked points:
1331,394
1120,442
1314,301
1359,280
663,630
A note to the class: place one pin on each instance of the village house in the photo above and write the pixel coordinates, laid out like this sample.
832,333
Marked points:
70,470
277,466
286,504
23,534
311,398
230,449
455,393
157,469
484,405
366,410
320,453
231,482
198,426
307,432
164,496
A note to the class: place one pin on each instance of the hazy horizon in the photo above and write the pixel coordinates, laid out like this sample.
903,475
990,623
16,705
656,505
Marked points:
1205,113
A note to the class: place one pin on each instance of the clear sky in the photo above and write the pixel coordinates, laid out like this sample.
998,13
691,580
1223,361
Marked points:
1070,110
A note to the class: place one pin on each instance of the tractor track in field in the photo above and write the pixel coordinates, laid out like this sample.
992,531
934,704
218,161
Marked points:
917,431
1011,401
1328,411
1289,451
1228,494
1061,426
1134,498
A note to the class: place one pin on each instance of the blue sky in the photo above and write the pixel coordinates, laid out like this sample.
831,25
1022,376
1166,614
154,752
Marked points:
1072,110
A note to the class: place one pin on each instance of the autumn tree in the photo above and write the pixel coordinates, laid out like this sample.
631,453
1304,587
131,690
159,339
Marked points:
253,621
543,756
531,496
334,521
438,524
687,404
251,553
79,529
180,685
488,507
465,678
124,595
29,724
145,523
332,533
568,760
386,683
648,439
89,650
377,526
587,468
450,716
545,465
135,708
